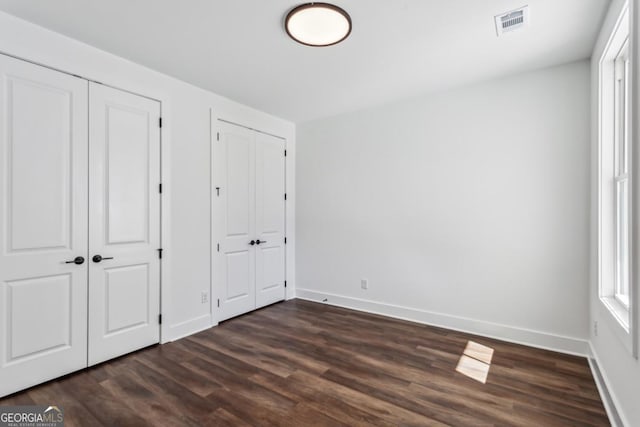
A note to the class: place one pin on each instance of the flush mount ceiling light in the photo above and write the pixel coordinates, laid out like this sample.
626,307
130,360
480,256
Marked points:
318,24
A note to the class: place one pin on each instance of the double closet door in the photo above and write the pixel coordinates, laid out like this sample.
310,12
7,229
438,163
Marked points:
249,218
79,223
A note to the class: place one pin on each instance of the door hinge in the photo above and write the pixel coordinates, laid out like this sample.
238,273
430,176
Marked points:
285,153
285,283
285,196
218,136
160,319
218,191
218,302
218,247
285,240
160,188
160,253
160,122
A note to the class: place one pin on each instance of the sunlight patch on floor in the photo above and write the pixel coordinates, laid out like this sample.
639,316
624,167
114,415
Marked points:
475,361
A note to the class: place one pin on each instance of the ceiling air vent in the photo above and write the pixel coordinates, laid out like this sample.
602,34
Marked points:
512,21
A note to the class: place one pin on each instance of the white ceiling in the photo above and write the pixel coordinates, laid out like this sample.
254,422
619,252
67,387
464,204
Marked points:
398,48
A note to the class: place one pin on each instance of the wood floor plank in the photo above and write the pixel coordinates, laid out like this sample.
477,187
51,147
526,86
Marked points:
223,418
261,396
322,400
170,392
54,392
104,406
183,376
300,363
145,403
249,411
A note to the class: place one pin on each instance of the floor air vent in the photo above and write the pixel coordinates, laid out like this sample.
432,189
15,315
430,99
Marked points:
512,21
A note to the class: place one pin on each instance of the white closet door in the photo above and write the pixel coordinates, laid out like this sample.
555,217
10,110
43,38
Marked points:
234,215
43,212
270,219
124,223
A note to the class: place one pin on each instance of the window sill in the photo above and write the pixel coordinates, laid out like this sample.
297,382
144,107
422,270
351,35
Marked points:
618,311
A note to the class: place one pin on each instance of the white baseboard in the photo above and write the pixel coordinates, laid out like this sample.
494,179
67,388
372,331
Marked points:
189,327
543,340
606,393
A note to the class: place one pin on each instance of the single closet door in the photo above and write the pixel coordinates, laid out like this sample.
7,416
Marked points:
124,223
270,219
234,263
43,217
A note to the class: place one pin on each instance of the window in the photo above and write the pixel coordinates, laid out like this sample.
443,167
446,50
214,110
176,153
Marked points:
615,172
621,178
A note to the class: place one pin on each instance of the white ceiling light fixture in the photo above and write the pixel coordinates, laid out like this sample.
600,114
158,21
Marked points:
318,24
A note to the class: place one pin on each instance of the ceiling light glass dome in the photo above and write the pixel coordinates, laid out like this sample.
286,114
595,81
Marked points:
318,24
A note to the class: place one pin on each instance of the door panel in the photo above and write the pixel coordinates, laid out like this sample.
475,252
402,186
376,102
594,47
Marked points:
52,332
238,188
270,219
127,149
126,297
43,209
124,212
44,187
238,275
234,262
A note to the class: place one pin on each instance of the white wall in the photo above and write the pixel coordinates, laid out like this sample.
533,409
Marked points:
619,368
468,209
186,159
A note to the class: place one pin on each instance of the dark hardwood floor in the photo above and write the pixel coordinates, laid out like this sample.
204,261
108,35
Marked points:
304,364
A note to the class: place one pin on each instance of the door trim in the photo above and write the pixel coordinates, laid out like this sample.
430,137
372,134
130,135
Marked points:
40,64
253,129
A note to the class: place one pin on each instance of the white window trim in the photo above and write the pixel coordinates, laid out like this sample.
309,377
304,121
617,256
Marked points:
622,320
621,177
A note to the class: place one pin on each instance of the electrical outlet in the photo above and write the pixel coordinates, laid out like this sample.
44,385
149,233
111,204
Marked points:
595,328
204,297
364,283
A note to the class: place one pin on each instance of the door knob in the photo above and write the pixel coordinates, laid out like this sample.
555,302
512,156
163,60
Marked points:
253,242
77,260
98,258
260,241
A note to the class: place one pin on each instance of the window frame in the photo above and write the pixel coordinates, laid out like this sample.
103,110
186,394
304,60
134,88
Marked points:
621,176
620,313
